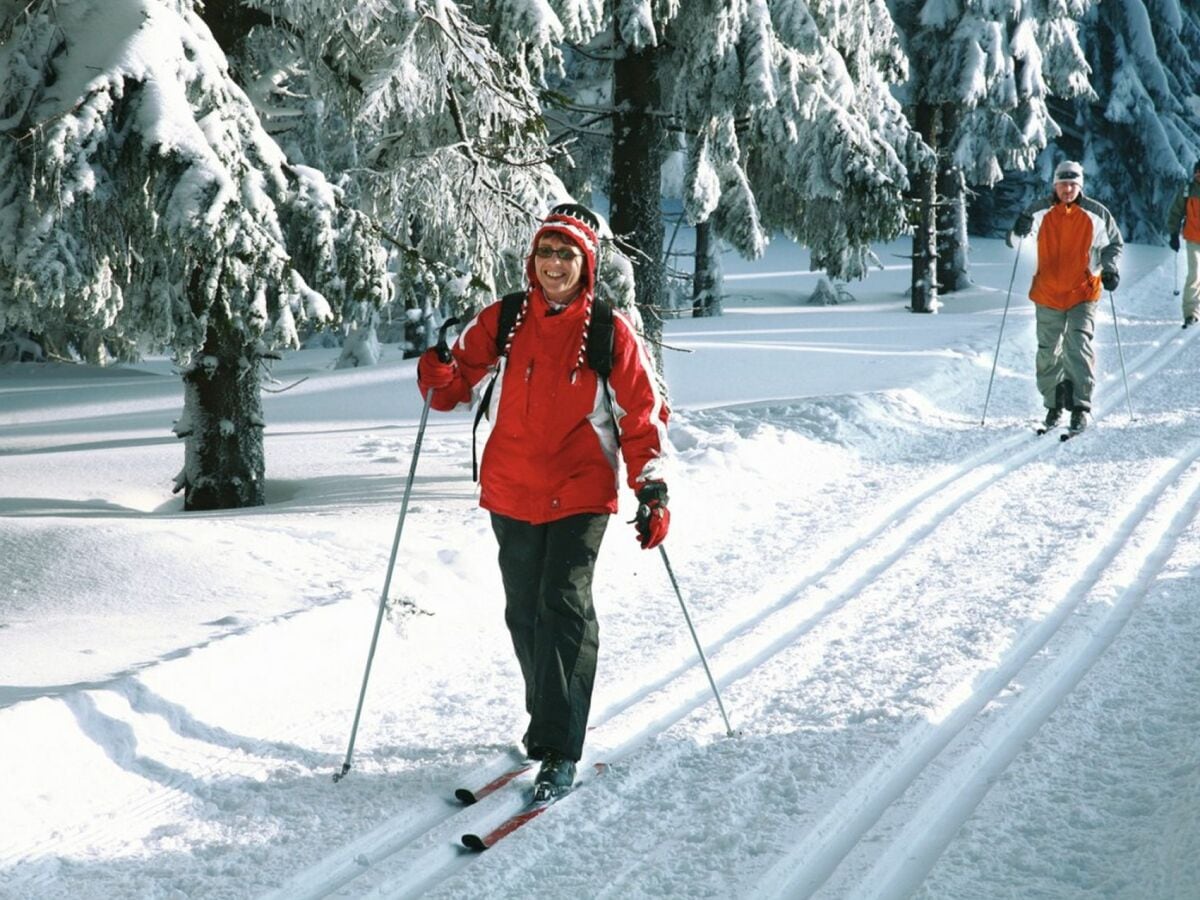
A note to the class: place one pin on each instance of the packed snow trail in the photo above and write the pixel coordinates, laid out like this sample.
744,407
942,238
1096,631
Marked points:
1143,504
772,629
914,525
904,865
848,822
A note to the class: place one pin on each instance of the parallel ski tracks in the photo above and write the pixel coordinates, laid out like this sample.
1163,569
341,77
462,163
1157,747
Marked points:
1156,510
1164,518
408,855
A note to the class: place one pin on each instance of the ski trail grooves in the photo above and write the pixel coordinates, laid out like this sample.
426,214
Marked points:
392,836
764,636
114,717
848,822
908,859
736,652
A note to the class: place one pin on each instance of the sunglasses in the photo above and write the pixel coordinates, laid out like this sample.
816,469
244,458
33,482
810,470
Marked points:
562,253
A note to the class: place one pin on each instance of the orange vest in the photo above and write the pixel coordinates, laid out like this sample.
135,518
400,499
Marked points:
1191,220
1063,278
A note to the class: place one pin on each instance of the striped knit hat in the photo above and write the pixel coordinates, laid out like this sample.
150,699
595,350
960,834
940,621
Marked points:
577,224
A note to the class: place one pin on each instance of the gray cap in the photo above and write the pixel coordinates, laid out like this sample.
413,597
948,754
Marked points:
1068,170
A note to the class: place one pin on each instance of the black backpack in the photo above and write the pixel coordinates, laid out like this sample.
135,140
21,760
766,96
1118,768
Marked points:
599,352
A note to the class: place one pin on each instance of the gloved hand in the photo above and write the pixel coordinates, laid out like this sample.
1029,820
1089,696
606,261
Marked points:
1173,242
653,517
1023,225
432,373
1110,279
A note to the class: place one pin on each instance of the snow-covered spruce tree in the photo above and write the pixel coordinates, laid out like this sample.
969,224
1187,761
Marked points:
784,107
436,130
981,74
622,147
143,205
827,148
1140,139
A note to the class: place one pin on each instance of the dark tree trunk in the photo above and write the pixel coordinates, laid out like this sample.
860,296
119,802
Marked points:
222,421
704,279
953,271
230,21
924,182
637,156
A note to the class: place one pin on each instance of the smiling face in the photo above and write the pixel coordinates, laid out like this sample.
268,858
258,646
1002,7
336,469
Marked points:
561,280
1067,191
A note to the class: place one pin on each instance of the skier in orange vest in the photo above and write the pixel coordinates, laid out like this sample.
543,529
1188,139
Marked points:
1185,211
1078,247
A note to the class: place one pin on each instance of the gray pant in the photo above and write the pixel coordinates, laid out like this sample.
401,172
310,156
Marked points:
547,572
1191,286
1065,353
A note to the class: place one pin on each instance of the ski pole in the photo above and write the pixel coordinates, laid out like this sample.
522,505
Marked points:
1176,273
1003,318
1121,355
687,618
443,352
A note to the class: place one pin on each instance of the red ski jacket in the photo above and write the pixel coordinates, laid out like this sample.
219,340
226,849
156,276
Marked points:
552,450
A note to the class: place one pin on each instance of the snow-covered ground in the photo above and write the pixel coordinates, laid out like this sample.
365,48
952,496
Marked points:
962,660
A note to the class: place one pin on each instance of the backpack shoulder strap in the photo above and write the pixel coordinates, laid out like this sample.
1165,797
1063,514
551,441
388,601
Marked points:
600,339
510,305
600,351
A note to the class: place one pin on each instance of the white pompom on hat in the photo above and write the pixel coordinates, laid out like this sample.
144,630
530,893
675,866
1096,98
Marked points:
1070,171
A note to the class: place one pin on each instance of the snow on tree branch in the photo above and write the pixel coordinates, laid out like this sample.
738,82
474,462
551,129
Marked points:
142,165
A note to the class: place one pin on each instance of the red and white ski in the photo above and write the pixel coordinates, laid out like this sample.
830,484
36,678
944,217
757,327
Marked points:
466,796
531,811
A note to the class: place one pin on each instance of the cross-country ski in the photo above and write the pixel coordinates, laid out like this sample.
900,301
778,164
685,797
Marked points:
468,796
535,806
479,843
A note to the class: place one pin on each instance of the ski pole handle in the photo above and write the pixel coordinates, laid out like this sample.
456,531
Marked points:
443,349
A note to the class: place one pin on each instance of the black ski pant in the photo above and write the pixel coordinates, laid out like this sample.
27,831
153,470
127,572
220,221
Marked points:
547,571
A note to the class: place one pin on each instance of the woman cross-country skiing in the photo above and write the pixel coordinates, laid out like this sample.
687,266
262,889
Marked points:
549,473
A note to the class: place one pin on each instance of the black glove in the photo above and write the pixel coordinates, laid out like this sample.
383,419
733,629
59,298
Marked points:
1173,242
653,517
1023,225
1110,279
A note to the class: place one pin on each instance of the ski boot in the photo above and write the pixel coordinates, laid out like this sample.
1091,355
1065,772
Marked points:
1053,417
554,778
1079,422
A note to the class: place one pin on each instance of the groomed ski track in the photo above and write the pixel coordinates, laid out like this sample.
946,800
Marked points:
882,823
